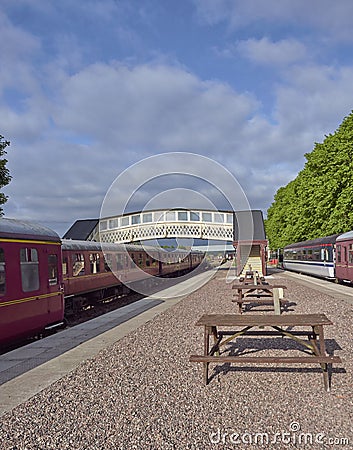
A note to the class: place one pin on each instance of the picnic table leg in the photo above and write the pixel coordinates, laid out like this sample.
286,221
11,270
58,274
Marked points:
276,301
320,331
206,351
318,351
215,341
240,304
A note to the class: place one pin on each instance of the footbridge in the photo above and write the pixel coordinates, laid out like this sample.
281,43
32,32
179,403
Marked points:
245,229
164,224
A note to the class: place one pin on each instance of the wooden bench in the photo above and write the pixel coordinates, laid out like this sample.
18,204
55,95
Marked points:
260,293
245,323
252,276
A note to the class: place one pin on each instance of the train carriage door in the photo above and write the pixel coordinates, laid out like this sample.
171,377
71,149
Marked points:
349,261
323,259
344,261
55,284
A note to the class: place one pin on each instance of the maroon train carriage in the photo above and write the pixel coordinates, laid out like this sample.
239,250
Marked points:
31,296
91,274
178,262
344,257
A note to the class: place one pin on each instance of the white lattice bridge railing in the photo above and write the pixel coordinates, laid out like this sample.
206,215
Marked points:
180,223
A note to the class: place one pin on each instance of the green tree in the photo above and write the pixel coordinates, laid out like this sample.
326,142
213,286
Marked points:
5,177
318,202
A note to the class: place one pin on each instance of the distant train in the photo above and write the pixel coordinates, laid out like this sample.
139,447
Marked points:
328,257
42,277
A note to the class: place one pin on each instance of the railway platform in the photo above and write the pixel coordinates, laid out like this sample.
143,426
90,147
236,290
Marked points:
133,386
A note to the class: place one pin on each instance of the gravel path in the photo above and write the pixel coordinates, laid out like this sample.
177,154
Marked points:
143,393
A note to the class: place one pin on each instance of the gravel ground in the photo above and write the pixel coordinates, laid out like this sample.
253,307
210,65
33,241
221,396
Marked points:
143,393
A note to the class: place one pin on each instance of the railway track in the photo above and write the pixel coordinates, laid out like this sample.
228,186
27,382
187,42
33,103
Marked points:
89,312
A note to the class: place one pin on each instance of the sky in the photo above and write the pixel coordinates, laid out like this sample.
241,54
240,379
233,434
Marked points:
89,88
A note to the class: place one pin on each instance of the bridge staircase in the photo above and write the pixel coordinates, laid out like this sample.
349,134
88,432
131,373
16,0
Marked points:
253,262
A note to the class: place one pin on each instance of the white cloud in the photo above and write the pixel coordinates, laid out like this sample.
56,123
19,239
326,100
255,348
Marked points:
111,116
334,18
265,51
17,47
315,100
160,106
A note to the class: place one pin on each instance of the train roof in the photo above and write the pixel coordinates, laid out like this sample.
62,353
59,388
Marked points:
345,236
20,229
72,244
314,242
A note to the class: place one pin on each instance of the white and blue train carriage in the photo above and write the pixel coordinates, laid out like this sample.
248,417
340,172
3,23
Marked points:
314,257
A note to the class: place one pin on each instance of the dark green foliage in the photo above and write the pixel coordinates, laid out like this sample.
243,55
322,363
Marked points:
319,201
5,177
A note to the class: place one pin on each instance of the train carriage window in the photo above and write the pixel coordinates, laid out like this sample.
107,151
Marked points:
52,270
94,260
350,254
132,260
78,264
29,269
108,262
338,253
2,272
324,254
316,254
344,254
65,265
120,261
140,260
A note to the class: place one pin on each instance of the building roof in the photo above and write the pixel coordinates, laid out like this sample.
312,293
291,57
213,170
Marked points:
81,229
249,226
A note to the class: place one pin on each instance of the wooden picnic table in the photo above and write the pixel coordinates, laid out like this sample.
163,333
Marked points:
260,293
245,324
